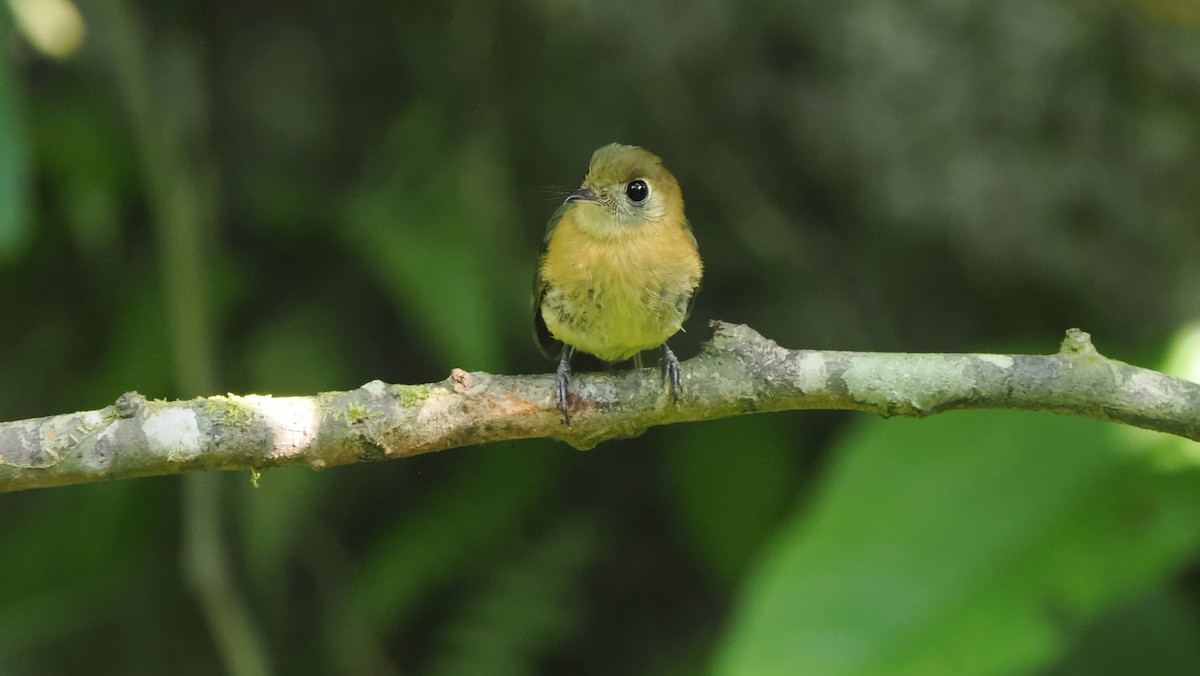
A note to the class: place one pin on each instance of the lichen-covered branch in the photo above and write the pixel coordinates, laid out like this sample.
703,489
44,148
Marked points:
737,372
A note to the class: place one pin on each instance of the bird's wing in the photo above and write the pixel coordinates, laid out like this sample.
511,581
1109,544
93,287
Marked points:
687,226
546,343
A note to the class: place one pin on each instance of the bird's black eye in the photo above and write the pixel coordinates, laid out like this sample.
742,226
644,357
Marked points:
637,191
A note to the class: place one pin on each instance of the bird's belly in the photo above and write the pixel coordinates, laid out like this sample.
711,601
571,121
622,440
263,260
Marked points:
614,318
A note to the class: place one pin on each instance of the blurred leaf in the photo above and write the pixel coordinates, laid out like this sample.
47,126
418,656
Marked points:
963,544
64,556
88,163
427,223
1156,635
460,525
135,358
295,355
732,481
1183,353
53,27
530,605
273,517
15,182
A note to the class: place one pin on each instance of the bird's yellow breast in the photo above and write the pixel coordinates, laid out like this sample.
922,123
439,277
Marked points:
617,295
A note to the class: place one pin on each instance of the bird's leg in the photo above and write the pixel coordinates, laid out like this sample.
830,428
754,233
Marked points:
564,383
672,375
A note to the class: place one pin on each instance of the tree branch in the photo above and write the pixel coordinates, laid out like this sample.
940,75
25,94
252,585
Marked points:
738,371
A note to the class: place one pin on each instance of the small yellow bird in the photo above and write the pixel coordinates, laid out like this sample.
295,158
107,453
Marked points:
619,267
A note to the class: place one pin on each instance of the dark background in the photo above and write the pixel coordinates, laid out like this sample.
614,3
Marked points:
294,197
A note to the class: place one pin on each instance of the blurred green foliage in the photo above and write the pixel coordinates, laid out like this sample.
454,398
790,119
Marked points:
15,192
980,547
373,182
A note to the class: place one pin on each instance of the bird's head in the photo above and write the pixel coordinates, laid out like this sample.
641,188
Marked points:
626,187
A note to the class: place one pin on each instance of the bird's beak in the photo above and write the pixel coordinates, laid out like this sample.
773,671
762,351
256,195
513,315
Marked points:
582,195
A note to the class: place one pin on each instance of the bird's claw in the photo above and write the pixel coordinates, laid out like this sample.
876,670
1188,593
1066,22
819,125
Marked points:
564,385
672,374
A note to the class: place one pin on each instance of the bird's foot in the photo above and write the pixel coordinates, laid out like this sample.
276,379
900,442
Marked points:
672,374
564,385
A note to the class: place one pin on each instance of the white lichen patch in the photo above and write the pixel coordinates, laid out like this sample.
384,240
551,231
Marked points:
173,433
293,421
920,382
1146,386
27,445
438,405
376,388
108,432
1002,360
812,372
441,410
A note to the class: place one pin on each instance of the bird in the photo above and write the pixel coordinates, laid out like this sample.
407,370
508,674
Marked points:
619,267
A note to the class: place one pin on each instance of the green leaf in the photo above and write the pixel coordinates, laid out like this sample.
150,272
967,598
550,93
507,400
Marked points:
964,544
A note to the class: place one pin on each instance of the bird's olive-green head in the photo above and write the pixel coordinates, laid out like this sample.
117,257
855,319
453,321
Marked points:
625,187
